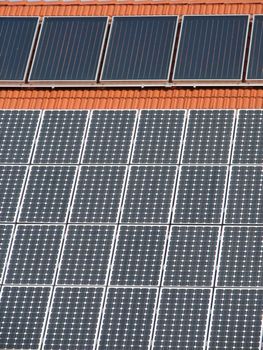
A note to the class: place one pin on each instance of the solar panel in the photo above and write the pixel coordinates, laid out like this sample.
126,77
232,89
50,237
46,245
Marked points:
60,137
127,319
17,132
139,49
17,35
34,254
98,194
109,136
237,319
86,255
69,50
23,311
241,258
73,319
249,137
191,256
139,255
149,194
199,197
5,239
244,203
158,138
11,182
47,194
211,48
208,137
254,71
182,319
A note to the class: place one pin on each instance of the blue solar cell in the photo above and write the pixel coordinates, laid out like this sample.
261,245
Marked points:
140,48
211,48
69,49
5,238
17,35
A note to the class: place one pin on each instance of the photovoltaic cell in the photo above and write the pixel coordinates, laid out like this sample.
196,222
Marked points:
11,182
208,136
241,258
5,238
191,256
47,194
60,137
140,48
255,71
86,255
98,194
211,48
69,49
128,318
245,196
23,311
138,256
16,39
249,137
182,319
17,132
200,194
34,254
158,136
73,320
236,320
149,194
109,136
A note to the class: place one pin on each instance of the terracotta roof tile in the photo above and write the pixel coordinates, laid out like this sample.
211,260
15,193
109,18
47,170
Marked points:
132,98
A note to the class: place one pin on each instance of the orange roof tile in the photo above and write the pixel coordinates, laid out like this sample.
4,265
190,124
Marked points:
132,98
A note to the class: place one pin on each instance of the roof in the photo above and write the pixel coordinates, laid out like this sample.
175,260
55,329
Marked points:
131,98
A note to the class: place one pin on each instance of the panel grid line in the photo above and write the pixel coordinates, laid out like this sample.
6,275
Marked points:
22,193
56,272
209,324
168,236
115,239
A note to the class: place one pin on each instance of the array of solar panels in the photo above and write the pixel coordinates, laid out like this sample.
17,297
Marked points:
131,50
124,229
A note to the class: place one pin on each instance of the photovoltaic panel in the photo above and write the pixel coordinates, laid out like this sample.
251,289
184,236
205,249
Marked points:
60,137
149,194
158,137
182,319
139,48
248,146
127,319
34,254
191,256
23,312
86,255
47,194
241,258
5,238
73,320
208,136
17,35
245,196
254,71
17,132
138,256
69,49
199,197
109,136
211,48
98,194
236,320
11,182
